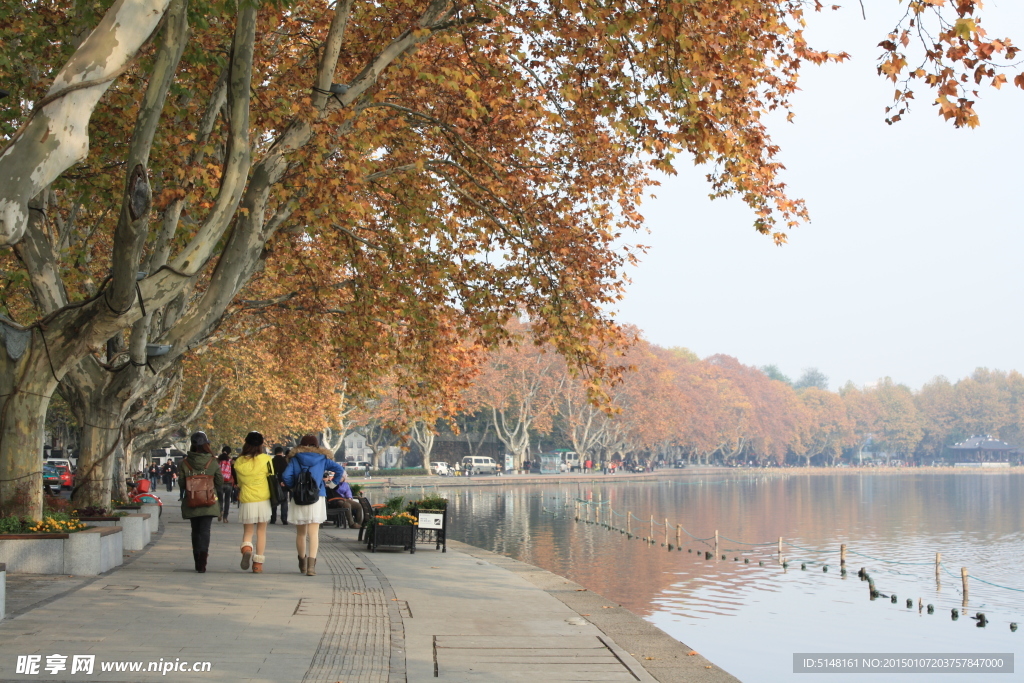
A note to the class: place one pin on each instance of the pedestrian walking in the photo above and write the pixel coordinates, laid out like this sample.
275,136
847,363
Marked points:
227,486
280,463
307,518
251,470
153,474
200,461
168,472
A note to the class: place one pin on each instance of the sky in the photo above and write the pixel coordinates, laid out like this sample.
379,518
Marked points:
911,265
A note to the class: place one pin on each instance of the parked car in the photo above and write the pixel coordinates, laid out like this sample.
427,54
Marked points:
51,478
479,465
60,462
441,469
67,477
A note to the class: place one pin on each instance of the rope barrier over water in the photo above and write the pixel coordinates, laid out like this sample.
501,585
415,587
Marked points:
600,506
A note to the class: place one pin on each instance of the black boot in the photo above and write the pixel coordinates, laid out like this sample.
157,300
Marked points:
201,562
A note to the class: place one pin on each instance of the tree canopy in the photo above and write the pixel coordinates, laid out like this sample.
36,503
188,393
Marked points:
399,173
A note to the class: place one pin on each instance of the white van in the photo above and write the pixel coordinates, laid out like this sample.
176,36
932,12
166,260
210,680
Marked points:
441,469
479,465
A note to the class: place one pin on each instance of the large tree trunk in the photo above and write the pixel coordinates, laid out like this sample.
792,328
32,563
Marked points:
101,440
27,384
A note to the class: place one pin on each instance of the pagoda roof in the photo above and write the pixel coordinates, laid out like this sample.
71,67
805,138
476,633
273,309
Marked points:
982,443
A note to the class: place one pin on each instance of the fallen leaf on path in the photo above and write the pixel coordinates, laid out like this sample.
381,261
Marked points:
580,590
691,653
584,615
357,594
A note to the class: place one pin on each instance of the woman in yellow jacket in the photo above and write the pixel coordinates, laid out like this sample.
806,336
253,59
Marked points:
251,470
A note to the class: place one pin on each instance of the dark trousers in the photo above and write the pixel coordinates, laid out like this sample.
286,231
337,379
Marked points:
201,534
224,498
169,482
283,498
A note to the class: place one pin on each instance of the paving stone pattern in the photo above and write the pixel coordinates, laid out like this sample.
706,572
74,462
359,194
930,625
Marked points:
464,616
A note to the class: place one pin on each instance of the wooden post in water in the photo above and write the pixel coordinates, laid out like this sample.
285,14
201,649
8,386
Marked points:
679,532
716,545
963,577
780,549
842,556
938,573
628,525
666,532
650,537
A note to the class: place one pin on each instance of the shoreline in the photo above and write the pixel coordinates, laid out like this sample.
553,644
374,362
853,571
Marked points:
664,474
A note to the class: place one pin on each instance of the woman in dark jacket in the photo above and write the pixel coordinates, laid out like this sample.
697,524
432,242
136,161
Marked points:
200,460
308,518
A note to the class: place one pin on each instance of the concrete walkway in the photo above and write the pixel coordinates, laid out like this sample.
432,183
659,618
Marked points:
386,617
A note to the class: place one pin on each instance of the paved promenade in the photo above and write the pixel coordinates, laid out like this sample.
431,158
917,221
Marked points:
386,617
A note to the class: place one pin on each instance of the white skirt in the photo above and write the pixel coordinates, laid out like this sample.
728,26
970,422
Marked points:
308,514
253,513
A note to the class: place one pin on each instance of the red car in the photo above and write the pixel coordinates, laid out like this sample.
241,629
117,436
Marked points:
67,479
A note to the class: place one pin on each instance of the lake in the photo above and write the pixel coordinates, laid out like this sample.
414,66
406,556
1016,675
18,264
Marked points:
750,619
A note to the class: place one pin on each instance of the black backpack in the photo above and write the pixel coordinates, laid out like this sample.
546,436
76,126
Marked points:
306,490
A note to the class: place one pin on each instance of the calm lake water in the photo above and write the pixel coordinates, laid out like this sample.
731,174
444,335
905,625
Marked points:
750,619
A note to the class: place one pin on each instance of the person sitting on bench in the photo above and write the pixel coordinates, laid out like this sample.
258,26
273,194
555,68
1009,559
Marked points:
340,496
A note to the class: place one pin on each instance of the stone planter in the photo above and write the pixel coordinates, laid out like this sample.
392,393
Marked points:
82,553
154,512
136,528
385,535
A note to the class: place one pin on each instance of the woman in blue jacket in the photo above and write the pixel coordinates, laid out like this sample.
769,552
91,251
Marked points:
308,456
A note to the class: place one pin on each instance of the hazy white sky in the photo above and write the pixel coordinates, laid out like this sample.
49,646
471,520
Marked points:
911,266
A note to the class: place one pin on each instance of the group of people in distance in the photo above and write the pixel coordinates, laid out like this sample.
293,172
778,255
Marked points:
250,471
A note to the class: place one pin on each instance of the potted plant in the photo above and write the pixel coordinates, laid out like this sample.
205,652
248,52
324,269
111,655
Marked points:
392,527
433,526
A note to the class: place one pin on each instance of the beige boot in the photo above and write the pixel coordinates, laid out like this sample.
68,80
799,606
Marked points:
302,564
310,566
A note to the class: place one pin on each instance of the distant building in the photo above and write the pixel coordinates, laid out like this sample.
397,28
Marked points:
984,449
356,448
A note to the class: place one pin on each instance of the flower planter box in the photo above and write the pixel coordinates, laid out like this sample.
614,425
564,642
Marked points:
385,535
83,553
136,528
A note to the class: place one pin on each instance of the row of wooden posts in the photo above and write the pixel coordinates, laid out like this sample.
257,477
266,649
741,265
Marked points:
964,574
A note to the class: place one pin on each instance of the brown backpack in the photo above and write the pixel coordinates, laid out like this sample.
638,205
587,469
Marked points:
199,490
